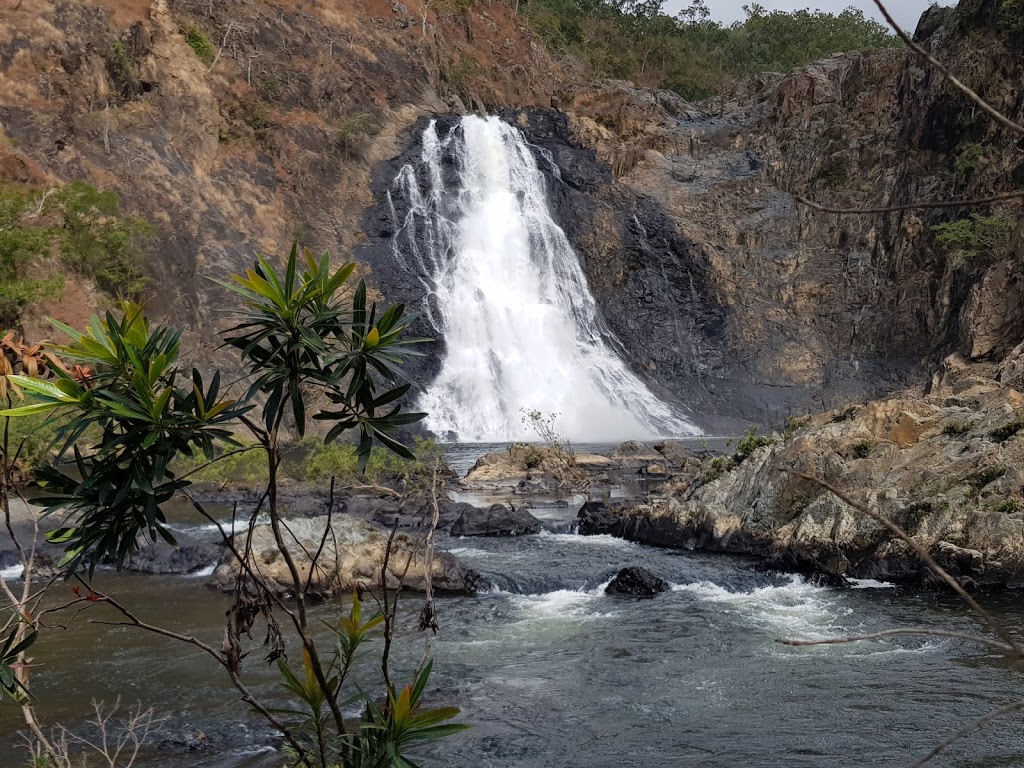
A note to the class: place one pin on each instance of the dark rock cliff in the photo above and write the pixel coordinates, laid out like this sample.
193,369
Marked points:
726,295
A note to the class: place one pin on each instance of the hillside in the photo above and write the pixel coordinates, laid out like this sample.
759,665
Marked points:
239,126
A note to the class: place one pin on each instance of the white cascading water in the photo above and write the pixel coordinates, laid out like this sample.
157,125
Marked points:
507,292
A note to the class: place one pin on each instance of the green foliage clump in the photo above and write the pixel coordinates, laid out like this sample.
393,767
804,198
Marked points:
976,237
1008,506
460,74
1005,432
98,241
246,469
794,425
689,53
1011,16
200,44
355,129
715,468
968,161
983,477
77,227
957,428
862,449
341,460
751,441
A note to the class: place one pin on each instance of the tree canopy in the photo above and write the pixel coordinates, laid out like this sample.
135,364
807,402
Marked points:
689,53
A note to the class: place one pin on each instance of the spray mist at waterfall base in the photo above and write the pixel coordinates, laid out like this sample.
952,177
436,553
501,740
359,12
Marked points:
505,289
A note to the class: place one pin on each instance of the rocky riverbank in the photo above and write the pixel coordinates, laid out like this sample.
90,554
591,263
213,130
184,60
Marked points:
946,466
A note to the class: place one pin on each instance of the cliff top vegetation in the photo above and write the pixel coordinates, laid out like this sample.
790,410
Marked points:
690,53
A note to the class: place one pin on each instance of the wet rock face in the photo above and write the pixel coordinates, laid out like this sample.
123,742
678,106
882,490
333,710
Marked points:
635,581
648,280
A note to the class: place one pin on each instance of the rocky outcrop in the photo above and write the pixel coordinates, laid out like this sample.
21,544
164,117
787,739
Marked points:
948,467
498,520
353,556
635,581
236,127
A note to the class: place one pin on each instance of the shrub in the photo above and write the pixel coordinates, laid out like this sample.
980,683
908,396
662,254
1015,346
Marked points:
82,226
1005,432
794,425
957,428
967,161
913,514
862,449
983,477
1011,16
717,467
976,237
355,129
200,44
341,460
751,441
459,75
1008,506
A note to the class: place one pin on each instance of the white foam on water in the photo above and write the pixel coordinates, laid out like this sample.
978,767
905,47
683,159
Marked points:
204,572
561,604
506,290
12,572
870,584
471,552
600,540
799,608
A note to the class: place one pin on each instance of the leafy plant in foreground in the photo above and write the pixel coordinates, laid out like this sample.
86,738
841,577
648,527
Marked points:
301,341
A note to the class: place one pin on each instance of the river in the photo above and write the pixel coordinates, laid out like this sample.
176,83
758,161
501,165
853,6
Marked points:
551,672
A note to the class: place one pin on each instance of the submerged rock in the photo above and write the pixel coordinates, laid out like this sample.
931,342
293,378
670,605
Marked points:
635,581
498,520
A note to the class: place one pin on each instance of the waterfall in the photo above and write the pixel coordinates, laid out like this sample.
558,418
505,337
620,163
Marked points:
506,291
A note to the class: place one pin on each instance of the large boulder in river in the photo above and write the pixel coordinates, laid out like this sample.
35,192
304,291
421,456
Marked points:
635,581
498,520
599,517
353,555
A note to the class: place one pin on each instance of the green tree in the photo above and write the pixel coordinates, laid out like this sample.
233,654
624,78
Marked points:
301,342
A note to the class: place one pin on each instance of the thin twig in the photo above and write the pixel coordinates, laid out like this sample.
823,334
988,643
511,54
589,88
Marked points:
991,111
314,563
923,553
389,612
911,206
913,631
972,726
247,697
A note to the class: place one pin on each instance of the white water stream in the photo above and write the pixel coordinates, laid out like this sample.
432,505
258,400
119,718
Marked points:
507,293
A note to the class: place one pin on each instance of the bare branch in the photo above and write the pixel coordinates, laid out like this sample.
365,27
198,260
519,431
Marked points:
911,206
912,631
991,111
972,726
247,697
923,553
